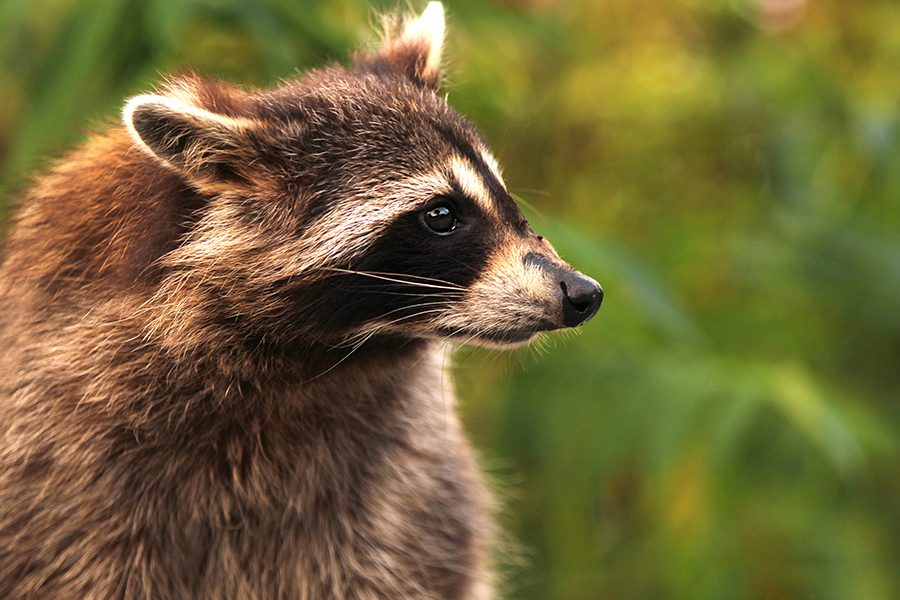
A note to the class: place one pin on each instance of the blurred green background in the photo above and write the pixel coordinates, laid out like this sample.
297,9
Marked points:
727,427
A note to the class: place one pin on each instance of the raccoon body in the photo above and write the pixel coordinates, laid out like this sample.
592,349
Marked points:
224,324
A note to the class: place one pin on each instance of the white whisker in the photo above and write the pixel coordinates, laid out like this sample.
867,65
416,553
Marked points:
395,279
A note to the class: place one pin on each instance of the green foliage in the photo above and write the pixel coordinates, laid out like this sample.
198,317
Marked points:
728,425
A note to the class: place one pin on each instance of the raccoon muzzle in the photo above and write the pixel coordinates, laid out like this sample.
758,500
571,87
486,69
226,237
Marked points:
581,295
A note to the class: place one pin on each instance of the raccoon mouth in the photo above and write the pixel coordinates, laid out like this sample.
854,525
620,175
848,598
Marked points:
505,337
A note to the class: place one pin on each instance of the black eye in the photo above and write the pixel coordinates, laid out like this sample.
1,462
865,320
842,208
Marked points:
440,219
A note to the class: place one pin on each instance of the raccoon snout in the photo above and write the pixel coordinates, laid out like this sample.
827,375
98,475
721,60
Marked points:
582,297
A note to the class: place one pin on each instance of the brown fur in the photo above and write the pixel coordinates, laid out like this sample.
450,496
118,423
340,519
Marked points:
250,485
194,402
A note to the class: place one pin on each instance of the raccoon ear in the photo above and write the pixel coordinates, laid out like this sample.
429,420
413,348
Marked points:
205,147
413,48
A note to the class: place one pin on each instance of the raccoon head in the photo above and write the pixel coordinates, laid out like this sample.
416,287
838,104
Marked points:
354,204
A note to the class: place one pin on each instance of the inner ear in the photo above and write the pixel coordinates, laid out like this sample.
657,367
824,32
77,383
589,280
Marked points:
203,146
412,48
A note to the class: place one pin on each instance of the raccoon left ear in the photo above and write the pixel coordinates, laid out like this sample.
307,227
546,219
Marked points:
413,49
208,149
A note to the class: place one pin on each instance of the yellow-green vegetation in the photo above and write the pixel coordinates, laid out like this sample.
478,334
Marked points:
728,426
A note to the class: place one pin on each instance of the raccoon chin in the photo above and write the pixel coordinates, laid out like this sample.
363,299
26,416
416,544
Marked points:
499,339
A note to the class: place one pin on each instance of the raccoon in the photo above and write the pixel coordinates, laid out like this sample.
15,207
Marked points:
222,330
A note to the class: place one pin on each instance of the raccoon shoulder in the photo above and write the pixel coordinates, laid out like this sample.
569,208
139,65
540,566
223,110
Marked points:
98,221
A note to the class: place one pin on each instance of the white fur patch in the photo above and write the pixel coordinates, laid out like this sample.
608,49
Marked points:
339,237
429,27
493,165
472,184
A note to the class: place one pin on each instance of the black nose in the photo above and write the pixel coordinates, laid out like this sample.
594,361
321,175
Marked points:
581,298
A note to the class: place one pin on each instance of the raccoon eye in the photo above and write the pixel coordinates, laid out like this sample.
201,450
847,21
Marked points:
440,219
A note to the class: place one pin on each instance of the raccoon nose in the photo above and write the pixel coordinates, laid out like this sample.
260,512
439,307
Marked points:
581,298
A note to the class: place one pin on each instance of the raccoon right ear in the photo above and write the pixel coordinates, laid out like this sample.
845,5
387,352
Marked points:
208,149
411,47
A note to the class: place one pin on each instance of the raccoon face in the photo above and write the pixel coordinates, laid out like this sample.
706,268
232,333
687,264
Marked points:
355,204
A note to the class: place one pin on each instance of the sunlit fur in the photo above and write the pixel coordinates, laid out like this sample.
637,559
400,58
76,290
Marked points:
223,323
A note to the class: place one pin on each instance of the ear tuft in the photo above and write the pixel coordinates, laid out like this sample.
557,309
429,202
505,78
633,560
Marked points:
413,48
428,32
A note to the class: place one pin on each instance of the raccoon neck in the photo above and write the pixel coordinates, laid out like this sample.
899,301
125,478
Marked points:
210,388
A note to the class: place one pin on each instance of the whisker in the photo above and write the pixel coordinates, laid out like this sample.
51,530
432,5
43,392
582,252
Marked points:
458,261
410,307
395,279
345,357
526,203
384,325
371,290
412,316
416,277
369,336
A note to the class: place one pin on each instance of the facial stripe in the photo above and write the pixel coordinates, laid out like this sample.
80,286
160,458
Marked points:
472,184
334,237
503,202
493,165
